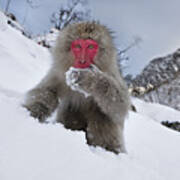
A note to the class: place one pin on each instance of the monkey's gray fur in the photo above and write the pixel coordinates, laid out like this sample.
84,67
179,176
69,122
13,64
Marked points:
102,114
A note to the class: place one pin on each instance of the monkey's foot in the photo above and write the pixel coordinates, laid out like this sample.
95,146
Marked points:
105,135
109,146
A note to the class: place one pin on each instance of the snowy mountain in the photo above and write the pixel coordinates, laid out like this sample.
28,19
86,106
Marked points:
163,75
33,151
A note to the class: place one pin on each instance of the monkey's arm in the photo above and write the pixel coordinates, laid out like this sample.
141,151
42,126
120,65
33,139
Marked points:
110,94
43,99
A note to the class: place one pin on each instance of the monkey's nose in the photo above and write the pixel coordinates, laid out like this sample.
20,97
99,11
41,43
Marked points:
82,61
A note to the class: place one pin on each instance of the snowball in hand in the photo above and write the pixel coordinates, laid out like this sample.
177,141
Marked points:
72,76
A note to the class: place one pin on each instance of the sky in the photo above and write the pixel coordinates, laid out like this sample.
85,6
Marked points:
156,22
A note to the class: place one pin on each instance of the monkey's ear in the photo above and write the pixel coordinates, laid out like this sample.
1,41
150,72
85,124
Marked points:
102,49
68,49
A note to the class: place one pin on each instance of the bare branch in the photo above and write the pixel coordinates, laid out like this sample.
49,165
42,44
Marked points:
137,40
33,4
7,6
123,58
69,14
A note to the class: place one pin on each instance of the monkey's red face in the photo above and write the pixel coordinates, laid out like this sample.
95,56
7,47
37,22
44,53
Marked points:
84,51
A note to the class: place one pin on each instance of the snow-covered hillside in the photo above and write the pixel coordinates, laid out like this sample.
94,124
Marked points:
22,60
33,151
163,74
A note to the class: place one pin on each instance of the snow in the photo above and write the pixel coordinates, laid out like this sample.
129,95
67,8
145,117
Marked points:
48,39
23,62
3,22
162,74
30,150
154,111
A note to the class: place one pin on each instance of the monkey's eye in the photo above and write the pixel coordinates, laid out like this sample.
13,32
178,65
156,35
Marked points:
91,46
78,46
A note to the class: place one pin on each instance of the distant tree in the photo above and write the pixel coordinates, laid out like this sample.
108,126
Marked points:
7,6
135,42
75,11
128,78
34,3
31,4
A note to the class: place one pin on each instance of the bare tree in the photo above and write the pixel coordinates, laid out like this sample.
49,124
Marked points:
135,42
34,4
31,4
7,6
69,14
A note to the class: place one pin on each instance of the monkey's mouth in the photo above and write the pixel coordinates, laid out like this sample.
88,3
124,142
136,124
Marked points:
82,64
83,61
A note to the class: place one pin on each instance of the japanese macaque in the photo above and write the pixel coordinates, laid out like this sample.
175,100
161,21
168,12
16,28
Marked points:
85,86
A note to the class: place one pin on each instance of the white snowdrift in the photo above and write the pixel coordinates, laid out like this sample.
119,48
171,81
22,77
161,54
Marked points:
22,61
157,112
33,151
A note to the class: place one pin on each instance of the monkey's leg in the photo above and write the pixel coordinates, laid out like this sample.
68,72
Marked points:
71,119
101,131
112,97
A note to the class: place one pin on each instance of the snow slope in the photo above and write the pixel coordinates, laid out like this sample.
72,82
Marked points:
33,151
22,61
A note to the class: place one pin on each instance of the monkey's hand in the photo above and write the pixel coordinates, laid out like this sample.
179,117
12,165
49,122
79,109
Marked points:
82,80
110,94
37,110
41,102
